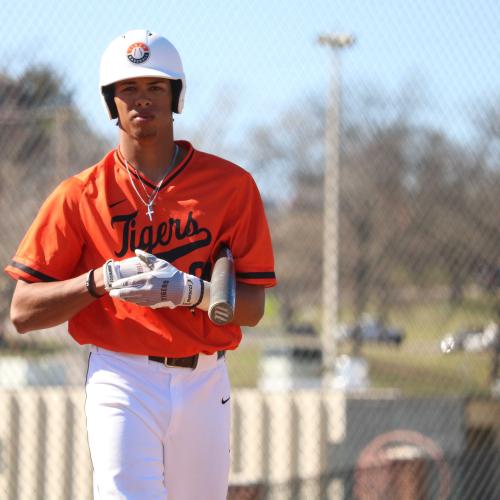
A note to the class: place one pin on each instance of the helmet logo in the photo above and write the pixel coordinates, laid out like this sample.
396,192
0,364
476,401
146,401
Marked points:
138,53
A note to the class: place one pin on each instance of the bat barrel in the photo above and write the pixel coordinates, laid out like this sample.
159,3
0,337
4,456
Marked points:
222,289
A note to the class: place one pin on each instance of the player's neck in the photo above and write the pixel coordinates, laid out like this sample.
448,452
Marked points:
152,160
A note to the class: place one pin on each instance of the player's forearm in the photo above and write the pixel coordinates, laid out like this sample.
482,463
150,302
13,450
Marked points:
43,305
249,307
250,302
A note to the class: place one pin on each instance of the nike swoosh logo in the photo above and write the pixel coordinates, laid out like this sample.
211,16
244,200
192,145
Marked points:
224,401
116,203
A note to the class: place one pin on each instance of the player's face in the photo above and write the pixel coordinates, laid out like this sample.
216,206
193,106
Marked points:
144,106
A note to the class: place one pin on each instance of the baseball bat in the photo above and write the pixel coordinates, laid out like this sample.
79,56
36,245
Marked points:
222,288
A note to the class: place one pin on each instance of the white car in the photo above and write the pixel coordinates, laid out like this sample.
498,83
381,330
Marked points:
472,340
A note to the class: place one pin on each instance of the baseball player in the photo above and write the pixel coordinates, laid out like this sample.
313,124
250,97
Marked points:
123,251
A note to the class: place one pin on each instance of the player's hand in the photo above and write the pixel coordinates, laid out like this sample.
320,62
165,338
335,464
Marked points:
162,286
114,270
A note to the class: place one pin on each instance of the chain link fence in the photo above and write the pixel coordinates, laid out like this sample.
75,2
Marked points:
409,405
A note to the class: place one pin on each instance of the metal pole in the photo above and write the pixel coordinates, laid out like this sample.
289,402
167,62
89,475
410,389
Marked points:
330,222
330,285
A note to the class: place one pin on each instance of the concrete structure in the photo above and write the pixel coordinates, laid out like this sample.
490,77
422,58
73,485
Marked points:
276,438
302,445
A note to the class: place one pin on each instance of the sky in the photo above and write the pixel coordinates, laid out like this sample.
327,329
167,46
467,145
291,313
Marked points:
265,53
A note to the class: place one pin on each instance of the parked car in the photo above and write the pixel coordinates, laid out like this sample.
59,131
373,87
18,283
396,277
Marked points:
472,339
371,329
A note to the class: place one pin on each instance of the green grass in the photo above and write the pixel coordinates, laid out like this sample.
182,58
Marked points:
243,365
432,320
31,350
417,373
417,367
271,317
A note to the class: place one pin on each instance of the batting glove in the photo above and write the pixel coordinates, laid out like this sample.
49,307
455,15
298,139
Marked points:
162,286
114,270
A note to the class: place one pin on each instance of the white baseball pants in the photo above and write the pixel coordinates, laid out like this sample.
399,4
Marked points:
157,432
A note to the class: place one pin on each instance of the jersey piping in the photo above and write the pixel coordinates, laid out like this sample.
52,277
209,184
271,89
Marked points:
32,272
177,170
261,275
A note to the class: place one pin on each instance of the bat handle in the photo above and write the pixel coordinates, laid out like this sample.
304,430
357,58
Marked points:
221,313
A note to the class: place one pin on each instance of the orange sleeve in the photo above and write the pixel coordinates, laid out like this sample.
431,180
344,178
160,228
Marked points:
52,246
251,240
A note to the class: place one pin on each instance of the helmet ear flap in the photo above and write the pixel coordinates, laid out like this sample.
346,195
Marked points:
108,93
176,86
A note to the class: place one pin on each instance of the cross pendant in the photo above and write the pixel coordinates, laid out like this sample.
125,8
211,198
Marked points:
150,211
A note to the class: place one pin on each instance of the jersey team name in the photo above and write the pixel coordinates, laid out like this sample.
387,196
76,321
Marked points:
150,237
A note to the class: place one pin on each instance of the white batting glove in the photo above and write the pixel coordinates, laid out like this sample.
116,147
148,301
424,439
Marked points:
163,285
114,270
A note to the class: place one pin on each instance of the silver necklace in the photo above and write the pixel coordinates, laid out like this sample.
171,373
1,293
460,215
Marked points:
151,197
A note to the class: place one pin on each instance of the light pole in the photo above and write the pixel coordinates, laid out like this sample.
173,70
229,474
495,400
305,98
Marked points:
330,285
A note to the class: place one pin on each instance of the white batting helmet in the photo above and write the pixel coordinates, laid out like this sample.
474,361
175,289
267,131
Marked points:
141,53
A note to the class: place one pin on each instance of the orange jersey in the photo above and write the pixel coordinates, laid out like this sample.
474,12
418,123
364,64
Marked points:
96,215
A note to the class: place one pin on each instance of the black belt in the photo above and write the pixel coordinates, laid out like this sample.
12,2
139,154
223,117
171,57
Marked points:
188,362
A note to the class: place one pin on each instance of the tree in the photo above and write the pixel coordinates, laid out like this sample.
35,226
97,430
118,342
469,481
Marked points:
288,157
417,209
43,139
